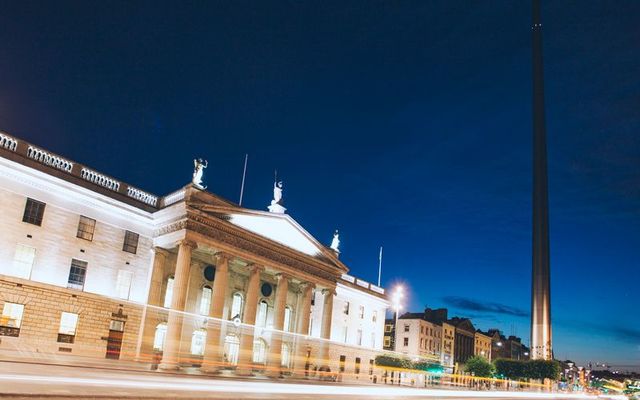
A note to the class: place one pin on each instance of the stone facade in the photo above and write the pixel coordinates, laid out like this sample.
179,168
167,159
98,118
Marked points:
482,345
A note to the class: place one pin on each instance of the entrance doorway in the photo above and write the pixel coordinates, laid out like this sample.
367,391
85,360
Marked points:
114,341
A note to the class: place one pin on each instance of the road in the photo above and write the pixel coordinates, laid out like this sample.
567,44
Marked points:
20,380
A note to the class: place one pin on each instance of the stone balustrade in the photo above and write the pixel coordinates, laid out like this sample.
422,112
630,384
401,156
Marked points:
99,179
8,142
142,196
363,284
49,159
173,198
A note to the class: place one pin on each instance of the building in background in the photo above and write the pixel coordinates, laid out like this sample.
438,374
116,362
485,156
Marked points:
482,345
506,347
418,336
390,334
464,339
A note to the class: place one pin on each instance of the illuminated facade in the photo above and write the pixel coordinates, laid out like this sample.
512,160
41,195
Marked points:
94,267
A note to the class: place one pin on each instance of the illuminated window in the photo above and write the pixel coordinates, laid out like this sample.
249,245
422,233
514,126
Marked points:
130,244
158,338
236,305
357,367
259,351
263,309
387,328
285,360
77,274
359,337
33,212
361,312
86,228
205,300
198,340
287,319
231,349
68,325
123,283
168,294
23,261
387,341
11,319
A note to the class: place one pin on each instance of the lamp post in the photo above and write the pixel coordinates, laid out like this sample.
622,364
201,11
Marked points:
396,302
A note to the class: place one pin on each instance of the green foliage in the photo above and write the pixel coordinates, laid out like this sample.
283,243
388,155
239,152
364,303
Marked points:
479,366
390,361
532,369
431,367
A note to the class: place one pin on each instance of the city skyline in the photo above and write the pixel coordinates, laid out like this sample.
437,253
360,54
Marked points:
448,195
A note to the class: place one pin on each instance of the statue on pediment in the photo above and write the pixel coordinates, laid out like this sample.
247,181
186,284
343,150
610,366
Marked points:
198,166
277,193
335,242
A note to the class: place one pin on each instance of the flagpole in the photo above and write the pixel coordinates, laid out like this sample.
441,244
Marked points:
244,174
379,266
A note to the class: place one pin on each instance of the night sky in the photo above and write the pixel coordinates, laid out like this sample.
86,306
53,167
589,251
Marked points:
401,123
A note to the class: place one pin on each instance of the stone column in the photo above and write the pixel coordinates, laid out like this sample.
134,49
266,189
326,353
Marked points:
245,357
327,315
151,315
171,351
213,350
275,356
304,318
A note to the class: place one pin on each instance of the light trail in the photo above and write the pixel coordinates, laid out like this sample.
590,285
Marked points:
254,387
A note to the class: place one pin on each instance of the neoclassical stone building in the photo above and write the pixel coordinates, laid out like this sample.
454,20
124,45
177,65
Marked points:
93,267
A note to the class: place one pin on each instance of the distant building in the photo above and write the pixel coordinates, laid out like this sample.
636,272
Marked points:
506,347
482,345
465,334
415,335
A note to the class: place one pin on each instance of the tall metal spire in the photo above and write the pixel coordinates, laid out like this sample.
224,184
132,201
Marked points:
541,277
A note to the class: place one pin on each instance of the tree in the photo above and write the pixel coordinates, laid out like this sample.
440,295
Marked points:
390,361
542,369
479,366
511,369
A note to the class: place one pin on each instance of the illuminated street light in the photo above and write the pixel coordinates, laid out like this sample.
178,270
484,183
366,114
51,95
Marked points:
396,303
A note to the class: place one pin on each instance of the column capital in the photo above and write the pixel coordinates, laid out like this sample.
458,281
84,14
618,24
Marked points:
188,243
282,275
160,251
329,291
223,255
306,286
255,268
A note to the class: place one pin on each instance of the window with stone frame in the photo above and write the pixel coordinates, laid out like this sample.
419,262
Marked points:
406,342
11,319
33,212
205,300
361,312
77,274
23,261
130,244
406,327
86,228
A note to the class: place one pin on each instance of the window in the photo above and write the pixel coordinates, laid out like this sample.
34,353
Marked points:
123,283
158,338
231,349
205,300
371,362
406,327
259,351
421,343
198,340
168,294
406,342
285,360
236,306
77,273
387,328
130,244
357,369
345,309
261,321
343,360
422,330
23,261
86,227
33,212
361,312
287,319
387,341
359,337
68,325
11,319
374,317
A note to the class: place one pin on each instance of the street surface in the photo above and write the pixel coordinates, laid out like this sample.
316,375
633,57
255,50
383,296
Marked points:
23,380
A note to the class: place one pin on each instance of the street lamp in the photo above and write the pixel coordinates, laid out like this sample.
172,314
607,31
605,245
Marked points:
396,303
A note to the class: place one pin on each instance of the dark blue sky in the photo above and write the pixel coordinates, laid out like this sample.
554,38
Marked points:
406,124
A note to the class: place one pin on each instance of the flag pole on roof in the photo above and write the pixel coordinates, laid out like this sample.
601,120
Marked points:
244,174
379,266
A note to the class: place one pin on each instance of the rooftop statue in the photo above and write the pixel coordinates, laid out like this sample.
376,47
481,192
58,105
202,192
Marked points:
277,193
335,242
198,166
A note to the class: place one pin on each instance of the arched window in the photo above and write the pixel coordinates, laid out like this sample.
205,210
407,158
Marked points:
158,338
231,349
285,360
263,308
198,340
287,319
168,294
205,299
259,351
236,305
